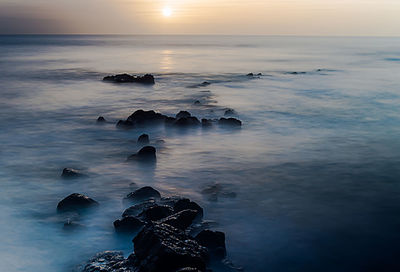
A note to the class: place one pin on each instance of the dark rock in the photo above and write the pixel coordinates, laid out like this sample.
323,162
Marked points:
76,202
109,261
250,74
181,220
183,114
161,247
214,241
205,84
259,74
186,204
144,193
71,173
170,120
125,124
125,78
233,122
101,119
143,139
128,224
187,121
197,102
206,122
141,117
147,153
156,212
229,112
137,209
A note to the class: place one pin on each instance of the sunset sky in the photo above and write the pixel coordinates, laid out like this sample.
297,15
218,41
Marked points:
264,17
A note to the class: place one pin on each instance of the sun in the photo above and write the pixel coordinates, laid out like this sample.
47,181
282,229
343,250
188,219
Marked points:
167,12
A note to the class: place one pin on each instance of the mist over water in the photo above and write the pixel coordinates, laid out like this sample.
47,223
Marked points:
310,181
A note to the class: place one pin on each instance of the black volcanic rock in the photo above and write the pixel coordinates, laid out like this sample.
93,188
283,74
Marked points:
125,78
181,220
214,241
147,153
143,194
183,114
76,202
143,139
128,224
71,173
232,122
161,247
187,122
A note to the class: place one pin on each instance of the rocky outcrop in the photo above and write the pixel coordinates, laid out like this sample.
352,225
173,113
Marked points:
214,241
126,78
108,261
128,224
143,194
75,202
141,117
183,114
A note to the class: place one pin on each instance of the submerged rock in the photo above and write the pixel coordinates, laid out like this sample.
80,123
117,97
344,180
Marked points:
108,261
128,224
147,153
214,241
206,122
197,102
101,119
76,202
183,114
143,139
126,78
143,194
215,191
161,247
71,173
232,122
187,122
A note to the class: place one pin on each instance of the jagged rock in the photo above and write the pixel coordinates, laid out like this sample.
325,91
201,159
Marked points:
128,224
137,209
71,173
156,212
186,204
143,139
76,202
125,78
109,261
187,121
233,122
147,153
183,114
125,124
181,220
161,247
214,241
143,194
101,119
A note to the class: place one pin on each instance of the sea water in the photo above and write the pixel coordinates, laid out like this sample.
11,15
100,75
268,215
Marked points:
309,183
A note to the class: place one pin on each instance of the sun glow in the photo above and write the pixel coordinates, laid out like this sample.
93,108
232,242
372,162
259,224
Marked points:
167,12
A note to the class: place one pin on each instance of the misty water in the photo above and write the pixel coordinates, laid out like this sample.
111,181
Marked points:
309,183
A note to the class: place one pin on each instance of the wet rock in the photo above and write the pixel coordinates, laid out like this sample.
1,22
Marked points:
125,124
147,153
143,194
143,139
250,74
156,212
128,224
232,122
101,119
230,112
71,173
76,202
205,84
183,114
137,209
126,78
197,102
161,247
181,220
170,120
186,204
214,241
187,122
206,122
109,261
141,117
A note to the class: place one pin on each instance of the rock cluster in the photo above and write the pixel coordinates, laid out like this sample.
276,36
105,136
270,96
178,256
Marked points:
125,78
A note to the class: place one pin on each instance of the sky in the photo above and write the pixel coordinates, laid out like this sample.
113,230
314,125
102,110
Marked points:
229,17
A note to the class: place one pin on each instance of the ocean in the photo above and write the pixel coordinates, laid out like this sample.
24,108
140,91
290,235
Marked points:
310,182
